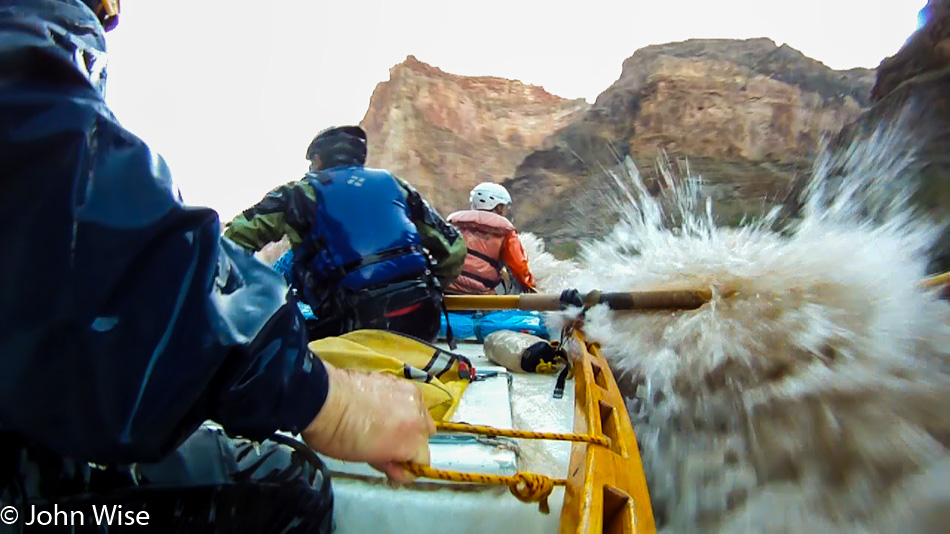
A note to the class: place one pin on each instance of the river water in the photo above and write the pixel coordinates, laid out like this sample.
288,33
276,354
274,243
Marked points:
817,398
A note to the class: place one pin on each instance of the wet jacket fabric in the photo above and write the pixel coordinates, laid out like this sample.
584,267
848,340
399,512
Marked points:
492,243
126,320
293,209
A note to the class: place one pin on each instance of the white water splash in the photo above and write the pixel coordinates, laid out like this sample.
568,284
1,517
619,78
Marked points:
814,399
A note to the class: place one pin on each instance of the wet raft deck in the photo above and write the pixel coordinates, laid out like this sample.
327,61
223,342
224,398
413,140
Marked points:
365,503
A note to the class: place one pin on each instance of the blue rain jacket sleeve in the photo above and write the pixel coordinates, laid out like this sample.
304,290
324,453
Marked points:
125,318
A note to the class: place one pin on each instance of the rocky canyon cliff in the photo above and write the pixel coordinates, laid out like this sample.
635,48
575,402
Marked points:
745,114
446,133
914,84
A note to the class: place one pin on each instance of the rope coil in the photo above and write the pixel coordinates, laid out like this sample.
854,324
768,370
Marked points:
526,487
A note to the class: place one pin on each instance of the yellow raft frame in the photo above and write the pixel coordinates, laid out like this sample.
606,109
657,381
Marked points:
606,487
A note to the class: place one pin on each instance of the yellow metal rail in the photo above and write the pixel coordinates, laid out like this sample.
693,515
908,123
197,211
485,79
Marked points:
606,487
482,302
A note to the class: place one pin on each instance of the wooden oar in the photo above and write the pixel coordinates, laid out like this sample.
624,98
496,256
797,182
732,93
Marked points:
677,299
935,281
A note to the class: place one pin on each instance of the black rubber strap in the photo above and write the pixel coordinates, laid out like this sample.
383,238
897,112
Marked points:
561,381
448,327
485,258
370,259
484,281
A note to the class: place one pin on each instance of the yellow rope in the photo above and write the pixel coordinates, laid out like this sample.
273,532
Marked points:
527,487
524,434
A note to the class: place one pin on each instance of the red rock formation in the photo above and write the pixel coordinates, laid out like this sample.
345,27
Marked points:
445,133
746,114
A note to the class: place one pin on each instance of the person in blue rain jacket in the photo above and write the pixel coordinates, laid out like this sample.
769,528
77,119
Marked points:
128,323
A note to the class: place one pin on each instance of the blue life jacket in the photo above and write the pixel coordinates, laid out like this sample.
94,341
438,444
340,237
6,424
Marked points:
363,236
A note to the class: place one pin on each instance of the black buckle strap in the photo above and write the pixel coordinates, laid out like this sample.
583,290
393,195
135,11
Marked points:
449,337
485,258
561,382
484,281
370,259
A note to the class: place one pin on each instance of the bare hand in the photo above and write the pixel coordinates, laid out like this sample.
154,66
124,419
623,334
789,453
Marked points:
374,418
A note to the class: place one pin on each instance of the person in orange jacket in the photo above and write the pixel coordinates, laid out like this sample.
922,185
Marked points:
492,243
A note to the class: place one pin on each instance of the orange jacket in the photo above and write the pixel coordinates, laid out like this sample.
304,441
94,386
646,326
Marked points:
492,242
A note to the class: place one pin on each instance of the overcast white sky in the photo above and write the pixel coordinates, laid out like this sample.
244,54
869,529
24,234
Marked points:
232,91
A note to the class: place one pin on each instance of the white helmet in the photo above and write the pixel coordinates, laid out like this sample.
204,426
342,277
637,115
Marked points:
487,195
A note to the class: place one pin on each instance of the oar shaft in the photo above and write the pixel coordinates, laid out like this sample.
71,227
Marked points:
481,302
936,281
637,300
677,299
684,299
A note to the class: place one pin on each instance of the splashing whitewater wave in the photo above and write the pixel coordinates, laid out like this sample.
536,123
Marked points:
815,399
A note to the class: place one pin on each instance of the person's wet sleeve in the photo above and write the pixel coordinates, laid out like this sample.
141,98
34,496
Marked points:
514,256
269,380
127,320
287,210
443,240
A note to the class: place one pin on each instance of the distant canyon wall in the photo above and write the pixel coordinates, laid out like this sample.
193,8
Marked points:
446,133
747,115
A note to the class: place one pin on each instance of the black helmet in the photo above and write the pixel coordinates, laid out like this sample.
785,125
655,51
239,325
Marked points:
106,10
339,146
